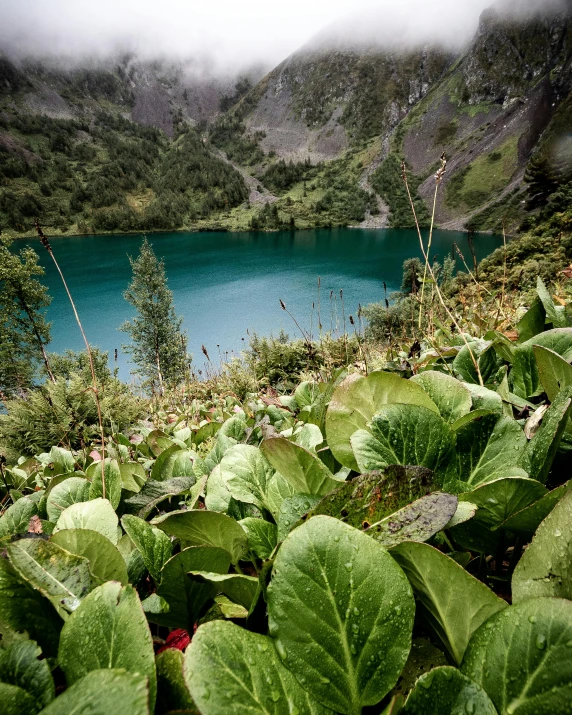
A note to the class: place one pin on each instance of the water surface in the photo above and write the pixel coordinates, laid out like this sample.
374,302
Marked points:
226,284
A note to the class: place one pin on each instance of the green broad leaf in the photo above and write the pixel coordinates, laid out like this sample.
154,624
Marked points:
262,536
498,500
525,377
488,448
173,463
102,692
154,605
405,434
225,608
356,401
235,427
279,489
447,691
158,441
471,417
246,474
113,484
418,521
542,448
172,691
199,527
185,597
72,491
485,399
105,561
436,579
451,397
545,567
371,497
306,394
97,515
153,493
155,546
423,657
308,436
522,659
16,518
108,630
486,358
472,536
341,612
554,372
222,445
133,476
230,670
23,609
552,315
526,522
291,511
20,666
303,469
465,512
239,588
62,460
218,497
16,701
63,578
532,322
209,429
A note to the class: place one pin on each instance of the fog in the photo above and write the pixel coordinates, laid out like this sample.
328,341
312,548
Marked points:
230,34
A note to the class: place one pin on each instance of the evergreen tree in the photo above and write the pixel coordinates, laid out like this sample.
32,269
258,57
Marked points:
158,345
24,331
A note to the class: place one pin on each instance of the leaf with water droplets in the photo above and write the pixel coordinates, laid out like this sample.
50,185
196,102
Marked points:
545,568
437,580
20,666
71,491
108,630
451,397
97,514
239,588
16,701
522,657
341,611
103,692
262,536
526,522
231,670
172,691
154,545
447,691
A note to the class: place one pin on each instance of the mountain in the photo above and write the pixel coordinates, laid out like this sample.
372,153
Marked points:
132,145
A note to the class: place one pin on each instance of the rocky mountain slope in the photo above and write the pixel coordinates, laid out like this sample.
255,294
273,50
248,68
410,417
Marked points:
128,145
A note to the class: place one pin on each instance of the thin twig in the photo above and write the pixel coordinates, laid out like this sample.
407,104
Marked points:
47,246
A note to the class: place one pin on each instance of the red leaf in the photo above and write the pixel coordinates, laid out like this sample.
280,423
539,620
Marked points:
178,639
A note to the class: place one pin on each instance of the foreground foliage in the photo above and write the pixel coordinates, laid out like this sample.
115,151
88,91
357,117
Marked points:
358,543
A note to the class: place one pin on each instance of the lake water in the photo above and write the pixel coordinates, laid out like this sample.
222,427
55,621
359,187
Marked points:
227,283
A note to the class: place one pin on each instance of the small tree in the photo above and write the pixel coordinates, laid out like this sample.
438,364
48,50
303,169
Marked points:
24,331
159,346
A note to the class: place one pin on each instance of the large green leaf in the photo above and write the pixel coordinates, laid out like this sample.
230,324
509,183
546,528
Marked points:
405,434
554,372
155,546
526,522
341,612
358,399
262,536
153,493
292,510
230,670
103,692
16,518
20,666
542,448
113,483
105,561
246,474
172,691
447,691
370,497
72,491
239,588
174,463
525,377
532,322
133,476
451,397
303,469
63,578
553,316
108,630
16,701
279,489
185,597
418,521
97,515
23,609
487,449
437,582
523,659
545,568
199,527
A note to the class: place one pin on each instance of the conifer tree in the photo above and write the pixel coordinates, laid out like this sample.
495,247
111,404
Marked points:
158,346
24,331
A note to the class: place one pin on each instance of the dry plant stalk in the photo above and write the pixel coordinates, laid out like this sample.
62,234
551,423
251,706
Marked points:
438,178
94,388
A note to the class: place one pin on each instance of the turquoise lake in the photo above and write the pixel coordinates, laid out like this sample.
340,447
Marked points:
226,284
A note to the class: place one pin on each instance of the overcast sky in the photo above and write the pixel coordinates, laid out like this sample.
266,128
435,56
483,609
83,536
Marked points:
233,32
